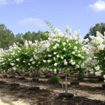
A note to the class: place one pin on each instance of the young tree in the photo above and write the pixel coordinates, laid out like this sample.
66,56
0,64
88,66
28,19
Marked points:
64,53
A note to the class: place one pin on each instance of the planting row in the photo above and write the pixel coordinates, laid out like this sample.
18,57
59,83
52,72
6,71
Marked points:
61,53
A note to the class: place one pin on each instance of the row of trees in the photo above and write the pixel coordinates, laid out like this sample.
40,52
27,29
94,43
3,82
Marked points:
61,53
7,37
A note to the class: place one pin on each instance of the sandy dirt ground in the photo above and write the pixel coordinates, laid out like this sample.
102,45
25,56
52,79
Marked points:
4,101
24,96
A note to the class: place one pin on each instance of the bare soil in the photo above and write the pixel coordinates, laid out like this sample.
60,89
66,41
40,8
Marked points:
24,94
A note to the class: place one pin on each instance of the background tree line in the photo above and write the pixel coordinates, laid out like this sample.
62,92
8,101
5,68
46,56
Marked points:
7,37
98,27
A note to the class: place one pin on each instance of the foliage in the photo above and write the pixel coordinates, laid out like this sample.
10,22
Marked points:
100,27
95,64
54,80
31,36
64,52
20,57
59,52
6,37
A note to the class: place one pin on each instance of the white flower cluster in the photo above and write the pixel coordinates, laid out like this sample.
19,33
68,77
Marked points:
96,48
64,51
59,52
19,57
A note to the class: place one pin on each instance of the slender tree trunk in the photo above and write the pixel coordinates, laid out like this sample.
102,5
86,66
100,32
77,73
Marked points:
33,78
37,76
66,84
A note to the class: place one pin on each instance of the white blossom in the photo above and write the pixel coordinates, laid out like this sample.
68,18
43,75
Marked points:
55,64
65,62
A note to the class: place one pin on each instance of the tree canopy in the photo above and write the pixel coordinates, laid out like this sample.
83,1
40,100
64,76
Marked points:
98,27
7,37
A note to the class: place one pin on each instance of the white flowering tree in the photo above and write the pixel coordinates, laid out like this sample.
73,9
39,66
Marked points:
8,58
95,64
65,53
21,58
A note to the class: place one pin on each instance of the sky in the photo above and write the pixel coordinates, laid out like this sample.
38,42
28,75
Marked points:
21,16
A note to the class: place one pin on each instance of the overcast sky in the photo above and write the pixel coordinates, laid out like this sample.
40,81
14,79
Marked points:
23,15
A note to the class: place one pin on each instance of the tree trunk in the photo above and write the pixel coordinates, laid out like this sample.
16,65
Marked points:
66,84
